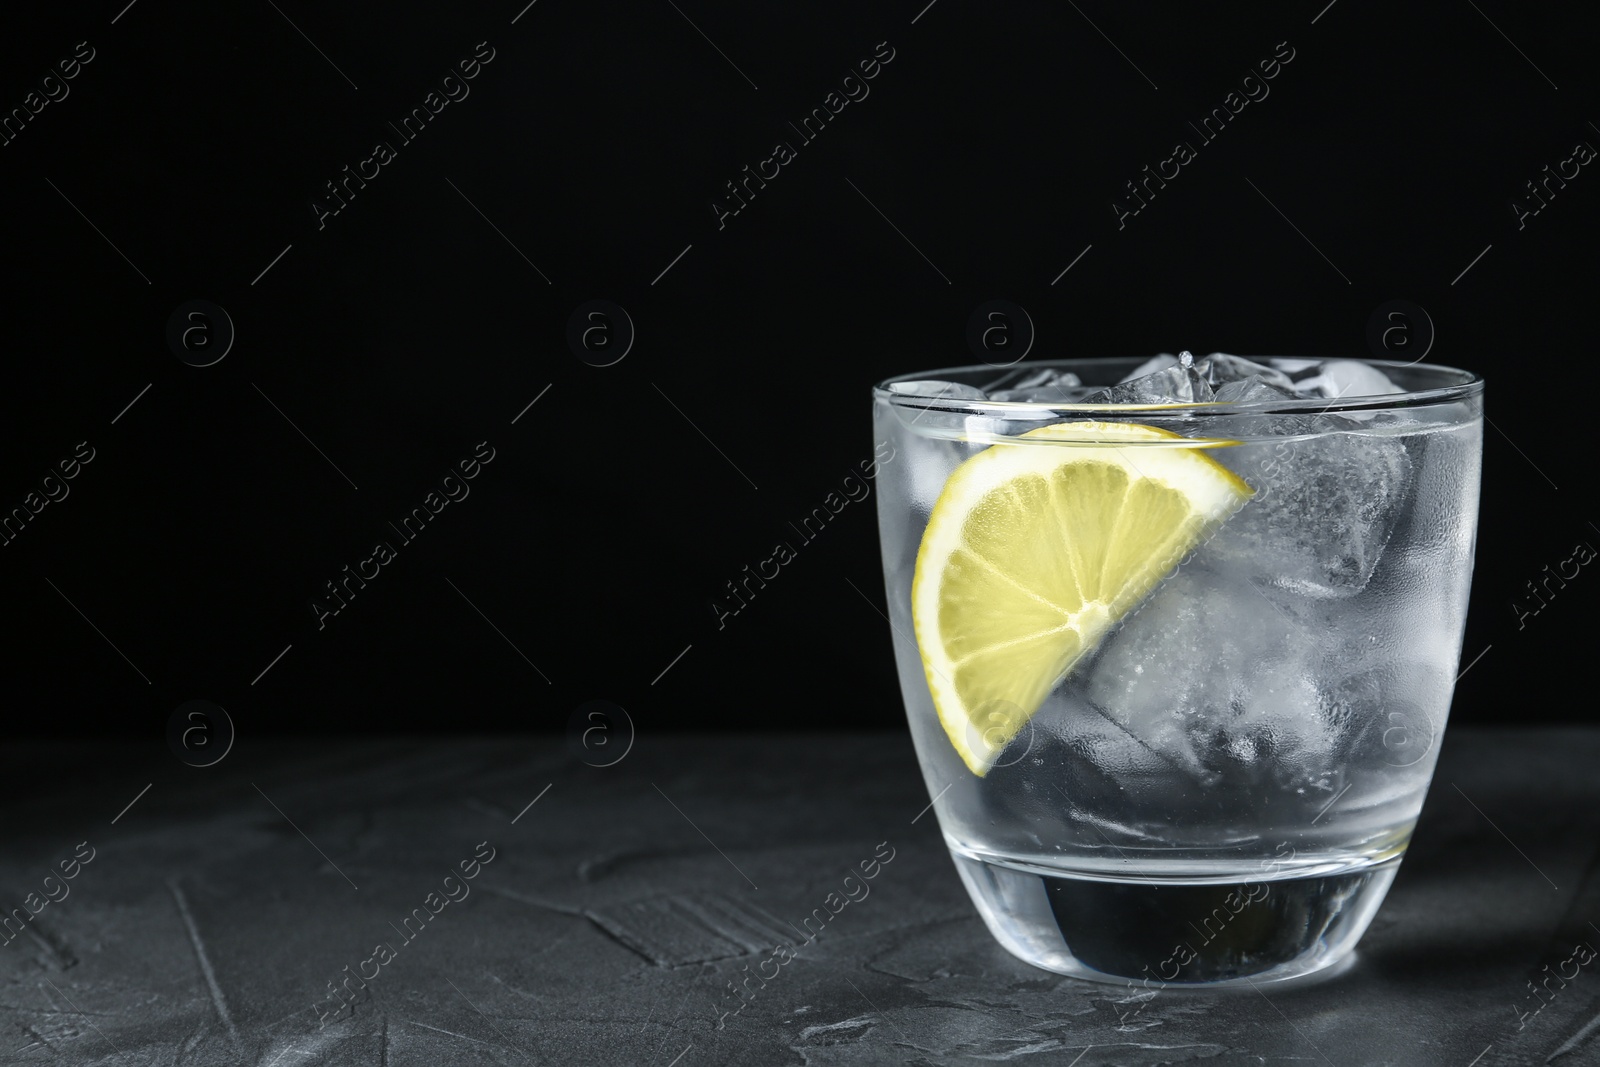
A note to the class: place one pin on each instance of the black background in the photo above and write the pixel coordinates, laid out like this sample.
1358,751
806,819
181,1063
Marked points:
414,324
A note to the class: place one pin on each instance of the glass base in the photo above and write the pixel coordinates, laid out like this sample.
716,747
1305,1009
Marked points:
1159,932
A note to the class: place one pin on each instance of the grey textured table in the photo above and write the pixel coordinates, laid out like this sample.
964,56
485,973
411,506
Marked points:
217,912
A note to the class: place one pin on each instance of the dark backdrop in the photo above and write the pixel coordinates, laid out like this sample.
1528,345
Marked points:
374,347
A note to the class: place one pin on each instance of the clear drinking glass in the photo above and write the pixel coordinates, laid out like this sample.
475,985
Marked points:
1223,783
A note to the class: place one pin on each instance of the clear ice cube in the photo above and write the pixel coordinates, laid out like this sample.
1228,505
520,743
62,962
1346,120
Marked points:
1219,369
1046,376
1045,386
1253,391
1324,509
937,390
1178,382
1151,365
1045,394
1207,673
1346,378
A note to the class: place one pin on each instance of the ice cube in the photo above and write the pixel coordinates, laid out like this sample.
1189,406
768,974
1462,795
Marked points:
1045,386
1346,378
1173,383
1048,376
1058,782
1253,391
1294,366
1245,424
937,390
1208,674
1280,713
1324,509
925,439
1151,365
1219,368
1178,383
1045,394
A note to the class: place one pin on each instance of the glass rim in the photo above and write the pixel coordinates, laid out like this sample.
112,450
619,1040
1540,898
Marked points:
1466,384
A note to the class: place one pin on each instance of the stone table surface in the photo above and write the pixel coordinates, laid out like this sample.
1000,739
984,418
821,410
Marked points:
611,907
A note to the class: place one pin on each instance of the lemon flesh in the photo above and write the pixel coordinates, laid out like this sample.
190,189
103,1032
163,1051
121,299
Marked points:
1033,552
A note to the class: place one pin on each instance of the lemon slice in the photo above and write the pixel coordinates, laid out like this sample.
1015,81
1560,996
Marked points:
1034,551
